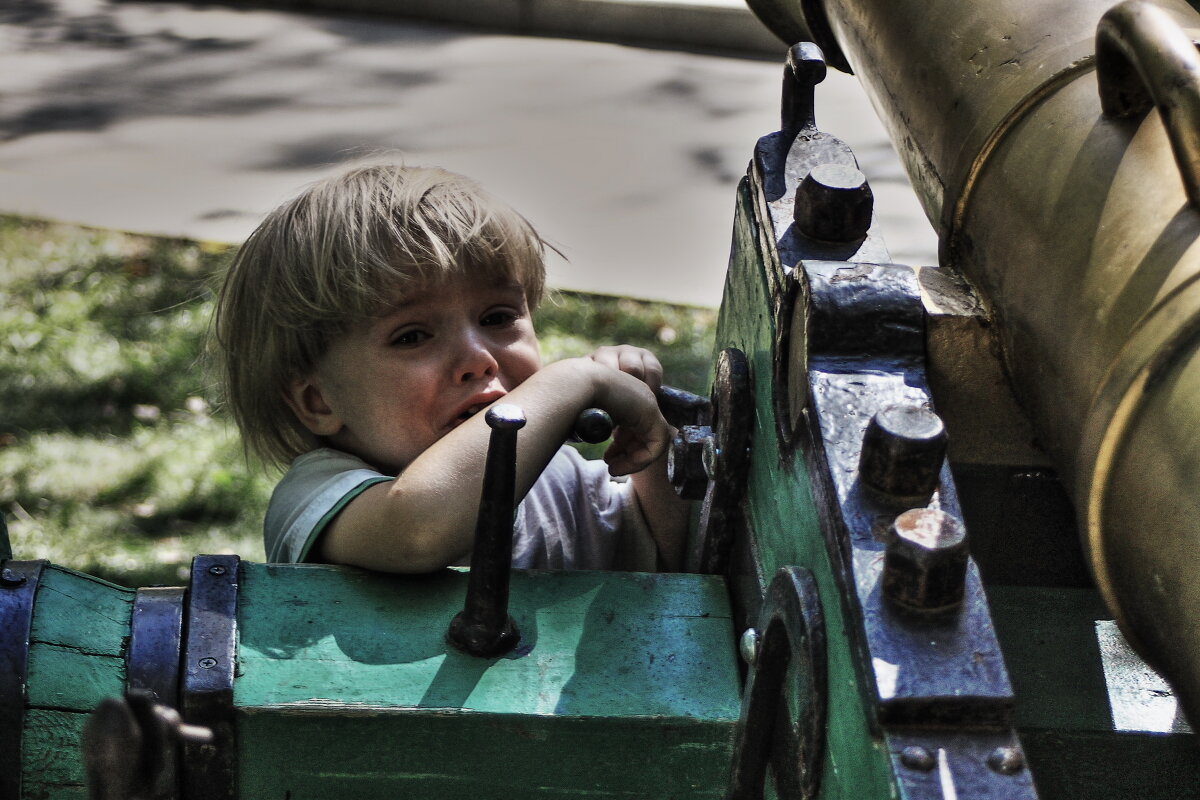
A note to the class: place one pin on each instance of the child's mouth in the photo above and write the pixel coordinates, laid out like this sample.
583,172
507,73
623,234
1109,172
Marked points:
470,412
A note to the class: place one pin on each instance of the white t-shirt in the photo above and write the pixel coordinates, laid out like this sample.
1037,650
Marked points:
576,516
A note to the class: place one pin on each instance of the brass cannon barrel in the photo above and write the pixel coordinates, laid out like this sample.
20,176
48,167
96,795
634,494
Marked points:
1053,144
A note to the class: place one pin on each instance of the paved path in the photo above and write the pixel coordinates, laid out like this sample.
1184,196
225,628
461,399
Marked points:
190,120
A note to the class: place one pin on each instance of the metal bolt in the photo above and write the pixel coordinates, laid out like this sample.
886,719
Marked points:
216,569
1007,760
748,646
207,663
685,461
11,578
903,451
925,563
917,757
834,203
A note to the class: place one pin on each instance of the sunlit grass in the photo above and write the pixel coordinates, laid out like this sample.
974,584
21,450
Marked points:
115,458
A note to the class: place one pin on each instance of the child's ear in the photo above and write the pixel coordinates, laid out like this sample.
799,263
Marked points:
307,402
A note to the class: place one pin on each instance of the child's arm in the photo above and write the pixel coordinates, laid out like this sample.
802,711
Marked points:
425,519
665,512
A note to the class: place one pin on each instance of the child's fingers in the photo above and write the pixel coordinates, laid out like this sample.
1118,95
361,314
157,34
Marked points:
635,361
633,451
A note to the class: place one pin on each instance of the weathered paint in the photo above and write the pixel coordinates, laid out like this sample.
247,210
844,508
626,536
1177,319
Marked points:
76,658
624,685
782,512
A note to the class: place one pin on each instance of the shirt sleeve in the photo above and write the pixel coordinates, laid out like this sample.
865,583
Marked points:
316,487
577,516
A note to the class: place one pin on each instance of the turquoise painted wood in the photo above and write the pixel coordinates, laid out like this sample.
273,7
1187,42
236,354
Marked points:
779,502
76,658
625,685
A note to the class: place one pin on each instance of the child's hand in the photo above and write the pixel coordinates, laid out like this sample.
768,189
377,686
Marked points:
635,361
642,435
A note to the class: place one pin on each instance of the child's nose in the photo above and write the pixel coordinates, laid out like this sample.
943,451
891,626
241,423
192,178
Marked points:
478,361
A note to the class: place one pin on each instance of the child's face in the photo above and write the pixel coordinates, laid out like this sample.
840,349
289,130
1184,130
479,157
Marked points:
387,390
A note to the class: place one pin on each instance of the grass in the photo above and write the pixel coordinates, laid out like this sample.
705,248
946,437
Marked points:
114,456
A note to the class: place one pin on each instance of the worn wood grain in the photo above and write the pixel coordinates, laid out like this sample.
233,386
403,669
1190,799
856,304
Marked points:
625,685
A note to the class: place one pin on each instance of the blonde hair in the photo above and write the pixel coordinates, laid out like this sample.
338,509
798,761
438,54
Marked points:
340,253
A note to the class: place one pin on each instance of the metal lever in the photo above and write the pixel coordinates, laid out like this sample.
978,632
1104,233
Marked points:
484,627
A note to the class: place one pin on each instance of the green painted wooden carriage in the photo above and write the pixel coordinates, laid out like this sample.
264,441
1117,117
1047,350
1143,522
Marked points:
863,617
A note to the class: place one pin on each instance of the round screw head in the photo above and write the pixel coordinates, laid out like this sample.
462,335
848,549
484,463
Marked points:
903,450
216,569
748,646
917,757
834,203
11,578
207,663
1007,760
925,563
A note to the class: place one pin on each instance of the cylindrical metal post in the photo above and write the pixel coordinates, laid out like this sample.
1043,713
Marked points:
484,627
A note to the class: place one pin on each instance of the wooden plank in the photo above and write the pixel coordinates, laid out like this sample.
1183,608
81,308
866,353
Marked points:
52,761
1063,714
625,685
76,659
456,755
594,644
65,678
79,611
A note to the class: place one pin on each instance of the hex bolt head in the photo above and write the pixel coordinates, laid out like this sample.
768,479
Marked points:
925,563
834,203
903,451
685,461
918,758
748,646
1007,760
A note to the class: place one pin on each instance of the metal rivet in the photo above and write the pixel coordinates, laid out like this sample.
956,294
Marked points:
903,450
748,646
834,203
207,663
916,757
925,561
216,569
10,577
1006,760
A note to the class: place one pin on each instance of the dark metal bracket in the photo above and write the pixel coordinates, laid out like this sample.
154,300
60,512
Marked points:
850,384
209,666
18,589
155,643
709,462
789,645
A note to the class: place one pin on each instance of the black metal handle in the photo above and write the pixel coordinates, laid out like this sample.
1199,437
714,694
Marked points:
484,627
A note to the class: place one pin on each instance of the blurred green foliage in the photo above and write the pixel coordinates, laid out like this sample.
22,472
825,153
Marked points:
114,456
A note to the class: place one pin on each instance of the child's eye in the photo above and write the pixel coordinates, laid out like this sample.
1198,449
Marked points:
499,317
409,338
